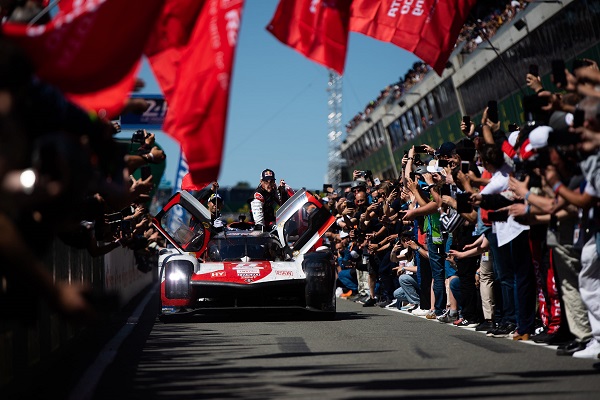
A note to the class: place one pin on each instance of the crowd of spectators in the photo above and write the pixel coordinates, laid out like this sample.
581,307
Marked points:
64,176
411,78
497,232
474,32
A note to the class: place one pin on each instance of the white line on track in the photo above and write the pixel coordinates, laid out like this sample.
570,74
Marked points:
84,389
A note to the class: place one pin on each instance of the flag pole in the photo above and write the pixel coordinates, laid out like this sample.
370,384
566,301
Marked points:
43,12
519,86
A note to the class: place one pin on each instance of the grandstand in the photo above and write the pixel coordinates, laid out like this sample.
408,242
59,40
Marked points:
431,111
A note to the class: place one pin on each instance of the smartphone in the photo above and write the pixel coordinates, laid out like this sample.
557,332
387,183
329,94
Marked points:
445,191
350,204
492,112
145,172
578,118
534,69
326,186
126,227
420,149
413,176
558,73
405,153
464,167
467,120
463,204
442,163
498,216
376,181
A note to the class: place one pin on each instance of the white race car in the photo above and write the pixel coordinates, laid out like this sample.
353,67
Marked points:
239,269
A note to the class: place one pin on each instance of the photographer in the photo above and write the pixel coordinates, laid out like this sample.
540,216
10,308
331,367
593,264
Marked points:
407,295
426,205
346,269
511,251
147,153
373,232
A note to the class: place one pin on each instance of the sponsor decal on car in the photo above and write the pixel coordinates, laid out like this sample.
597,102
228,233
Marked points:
284,273
248,270
218,274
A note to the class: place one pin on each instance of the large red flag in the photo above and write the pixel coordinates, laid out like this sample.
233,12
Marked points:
318,29
91,48
193,63
426,28
169,40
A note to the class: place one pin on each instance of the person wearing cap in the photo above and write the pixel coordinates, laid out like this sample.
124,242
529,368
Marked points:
427,206
446,150
215,204
203,194
266,198
209,198
346,271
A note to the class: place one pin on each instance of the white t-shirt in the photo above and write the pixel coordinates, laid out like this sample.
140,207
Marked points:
506,231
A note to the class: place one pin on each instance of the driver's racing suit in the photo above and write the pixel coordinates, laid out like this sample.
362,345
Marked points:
263,204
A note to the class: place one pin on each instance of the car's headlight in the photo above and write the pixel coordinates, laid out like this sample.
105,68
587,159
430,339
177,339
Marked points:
177,283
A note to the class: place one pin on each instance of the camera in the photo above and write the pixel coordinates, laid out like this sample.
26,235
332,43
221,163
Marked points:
523,169
498,216
138,136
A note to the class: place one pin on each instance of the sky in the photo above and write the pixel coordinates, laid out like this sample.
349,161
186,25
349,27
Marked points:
277,115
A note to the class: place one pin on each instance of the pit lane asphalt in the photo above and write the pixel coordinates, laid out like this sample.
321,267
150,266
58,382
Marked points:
366,353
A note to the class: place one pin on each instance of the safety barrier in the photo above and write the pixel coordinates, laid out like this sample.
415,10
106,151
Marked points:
33,333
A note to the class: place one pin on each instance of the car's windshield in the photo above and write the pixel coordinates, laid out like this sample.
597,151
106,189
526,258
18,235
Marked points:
244,248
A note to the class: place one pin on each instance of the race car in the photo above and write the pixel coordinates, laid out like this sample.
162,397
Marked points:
241,269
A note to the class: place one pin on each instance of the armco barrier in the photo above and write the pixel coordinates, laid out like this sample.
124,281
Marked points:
24,346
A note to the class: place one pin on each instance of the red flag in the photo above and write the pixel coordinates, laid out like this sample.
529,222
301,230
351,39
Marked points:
193,66
66,6
426,28
93,47
108,102
316,29
187,184
169,39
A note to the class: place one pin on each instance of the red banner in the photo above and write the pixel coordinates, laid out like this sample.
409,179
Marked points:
316,29
93,47
193,65
426,28
170,37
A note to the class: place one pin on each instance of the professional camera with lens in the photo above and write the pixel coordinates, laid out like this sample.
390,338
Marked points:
139,136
